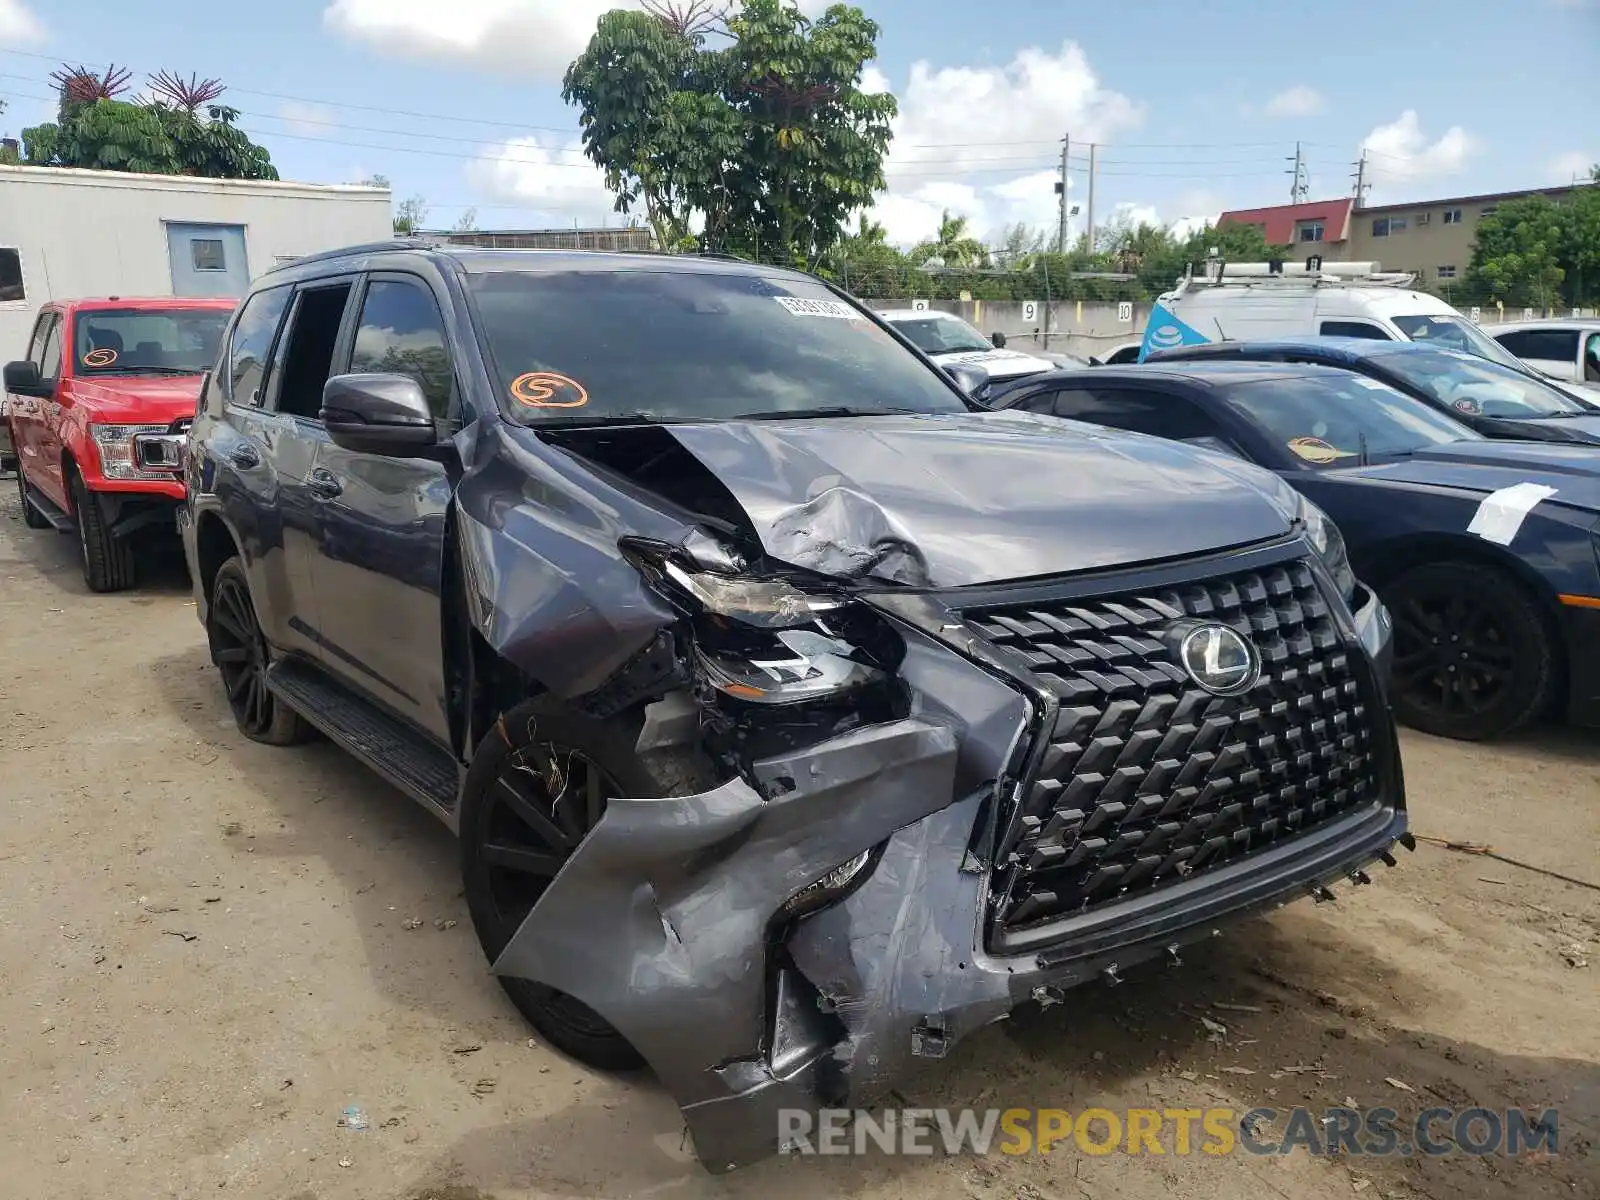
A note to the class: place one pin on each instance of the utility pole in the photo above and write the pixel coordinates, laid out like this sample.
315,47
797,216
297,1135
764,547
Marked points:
1061,190
1299,188
1361,179
1089,222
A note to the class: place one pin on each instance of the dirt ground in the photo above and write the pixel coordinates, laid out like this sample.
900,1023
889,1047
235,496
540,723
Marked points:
209,949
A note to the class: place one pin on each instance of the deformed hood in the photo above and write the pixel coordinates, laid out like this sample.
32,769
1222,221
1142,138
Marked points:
949,501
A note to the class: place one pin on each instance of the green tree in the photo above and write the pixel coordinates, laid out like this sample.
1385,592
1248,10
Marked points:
953,246
1517,257
768,140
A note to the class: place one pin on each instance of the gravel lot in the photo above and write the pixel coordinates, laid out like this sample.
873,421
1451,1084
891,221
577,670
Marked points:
208,952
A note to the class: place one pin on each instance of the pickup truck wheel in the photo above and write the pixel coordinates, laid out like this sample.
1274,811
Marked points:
31,516
107,560
537,785
240,653
1474,657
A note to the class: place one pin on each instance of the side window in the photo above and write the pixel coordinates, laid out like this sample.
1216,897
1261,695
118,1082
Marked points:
50,354
36,338
305,354
1591,360
1355,329
1550,345
402,333
1039,402
1137,411
251,343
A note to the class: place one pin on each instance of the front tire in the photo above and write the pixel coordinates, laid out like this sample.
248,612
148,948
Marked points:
107,560
239,650
516,835
1474,657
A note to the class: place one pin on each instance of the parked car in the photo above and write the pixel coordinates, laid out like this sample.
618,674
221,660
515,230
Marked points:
1494,400
1486,552
97,412
1256,301
1122,355
951,342
796,719
1564,349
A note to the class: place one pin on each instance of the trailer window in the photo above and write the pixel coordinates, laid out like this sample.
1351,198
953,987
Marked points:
11,289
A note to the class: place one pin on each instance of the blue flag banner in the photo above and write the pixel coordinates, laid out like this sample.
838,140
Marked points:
1165,331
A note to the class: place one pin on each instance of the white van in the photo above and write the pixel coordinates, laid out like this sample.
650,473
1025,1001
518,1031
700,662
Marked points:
1254,301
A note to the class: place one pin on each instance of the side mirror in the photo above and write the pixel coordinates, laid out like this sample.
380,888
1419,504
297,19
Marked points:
378,414
970,379
22,379
998,340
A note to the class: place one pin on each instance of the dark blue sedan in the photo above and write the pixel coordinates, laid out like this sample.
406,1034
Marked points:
1495,400
1487,553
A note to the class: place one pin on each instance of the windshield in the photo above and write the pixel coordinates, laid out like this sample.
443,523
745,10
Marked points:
1477,388
688,345
940,333
1456,333
148,341
1325,420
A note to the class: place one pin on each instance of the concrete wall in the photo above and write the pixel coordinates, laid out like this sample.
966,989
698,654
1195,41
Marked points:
1082,327
102,233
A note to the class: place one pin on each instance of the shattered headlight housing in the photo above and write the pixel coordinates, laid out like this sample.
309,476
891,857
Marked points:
1328,543
765,640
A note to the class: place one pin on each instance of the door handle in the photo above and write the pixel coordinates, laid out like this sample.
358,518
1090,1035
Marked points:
323,484
244,456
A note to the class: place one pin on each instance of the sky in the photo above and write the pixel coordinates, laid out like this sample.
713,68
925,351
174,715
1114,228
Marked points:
1192,108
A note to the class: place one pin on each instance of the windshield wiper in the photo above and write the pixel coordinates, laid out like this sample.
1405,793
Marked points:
830,410
96,372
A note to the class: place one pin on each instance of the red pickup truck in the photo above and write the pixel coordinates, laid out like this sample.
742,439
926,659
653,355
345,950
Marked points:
98,411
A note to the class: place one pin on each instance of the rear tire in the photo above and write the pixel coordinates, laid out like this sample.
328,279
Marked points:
597,760
1474,657
107,560
239,650
31,516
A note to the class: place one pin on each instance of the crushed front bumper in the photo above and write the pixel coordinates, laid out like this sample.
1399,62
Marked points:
671,921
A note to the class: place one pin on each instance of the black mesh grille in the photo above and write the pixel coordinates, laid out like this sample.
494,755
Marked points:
1147,778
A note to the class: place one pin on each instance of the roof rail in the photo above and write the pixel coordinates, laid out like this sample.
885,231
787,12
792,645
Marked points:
399,243
1313,273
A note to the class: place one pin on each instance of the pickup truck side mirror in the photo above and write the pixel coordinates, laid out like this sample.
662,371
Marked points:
997,340
378,414
22,379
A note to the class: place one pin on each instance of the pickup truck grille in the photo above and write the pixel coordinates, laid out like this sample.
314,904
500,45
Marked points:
1146,778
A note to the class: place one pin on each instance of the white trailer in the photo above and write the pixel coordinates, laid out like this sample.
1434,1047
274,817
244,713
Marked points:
68,233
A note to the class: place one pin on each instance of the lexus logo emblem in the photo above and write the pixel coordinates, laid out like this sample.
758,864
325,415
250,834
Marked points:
1219,659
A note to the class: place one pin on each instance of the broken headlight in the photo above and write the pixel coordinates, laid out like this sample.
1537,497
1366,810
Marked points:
803,665
764,603
1328,542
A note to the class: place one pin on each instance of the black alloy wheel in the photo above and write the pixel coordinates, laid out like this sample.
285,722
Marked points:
239,650
1473,655
538,785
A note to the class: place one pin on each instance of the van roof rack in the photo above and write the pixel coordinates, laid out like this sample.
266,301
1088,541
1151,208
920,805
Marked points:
1313,272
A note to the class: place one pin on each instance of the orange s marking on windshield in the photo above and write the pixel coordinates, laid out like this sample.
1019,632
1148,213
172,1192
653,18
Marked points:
546,389
1315,450
102,357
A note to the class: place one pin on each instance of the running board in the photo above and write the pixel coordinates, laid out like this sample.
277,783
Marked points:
46,508
402,755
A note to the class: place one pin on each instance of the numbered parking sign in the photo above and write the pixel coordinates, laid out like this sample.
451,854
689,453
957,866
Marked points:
1474,314
919,306
1125,312
1030,310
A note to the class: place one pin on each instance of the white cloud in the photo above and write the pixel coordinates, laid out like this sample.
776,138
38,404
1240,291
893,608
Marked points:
982,141
1298,101
1401,153
549,178
312,120
1574,165
17,24
529,37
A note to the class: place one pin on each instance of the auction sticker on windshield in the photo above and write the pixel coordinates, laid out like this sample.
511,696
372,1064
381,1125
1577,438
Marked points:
817,308
102,357
546,389
1315,450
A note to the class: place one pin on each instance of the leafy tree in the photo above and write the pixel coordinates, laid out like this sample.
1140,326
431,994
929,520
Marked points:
413,211
953,246
95,130
768,140
1517,255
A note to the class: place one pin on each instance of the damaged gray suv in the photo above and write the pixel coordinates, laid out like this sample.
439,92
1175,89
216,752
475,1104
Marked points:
796,717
